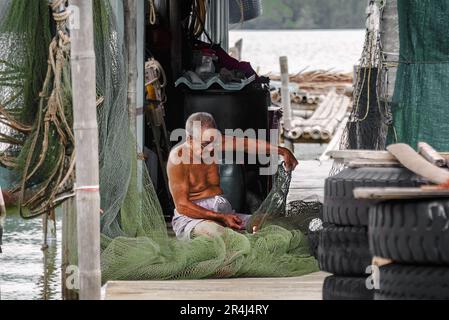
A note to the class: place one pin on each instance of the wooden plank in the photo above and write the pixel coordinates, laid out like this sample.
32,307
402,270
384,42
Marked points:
399,193
362,163
349,155
360,154
308,287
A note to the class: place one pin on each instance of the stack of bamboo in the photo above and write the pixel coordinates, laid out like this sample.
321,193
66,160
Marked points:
322,125
320,81
297,97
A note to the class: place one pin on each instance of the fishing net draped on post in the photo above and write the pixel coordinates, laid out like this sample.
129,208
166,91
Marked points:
371,117
135,242
420,104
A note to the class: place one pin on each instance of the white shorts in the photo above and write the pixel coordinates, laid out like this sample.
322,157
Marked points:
186,228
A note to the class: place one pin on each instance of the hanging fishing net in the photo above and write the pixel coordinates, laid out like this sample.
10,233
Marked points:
370,122
35,96
420,105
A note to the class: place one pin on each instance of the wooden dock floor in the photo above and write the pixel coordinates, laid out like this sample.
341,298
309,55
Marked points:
308,180
308,287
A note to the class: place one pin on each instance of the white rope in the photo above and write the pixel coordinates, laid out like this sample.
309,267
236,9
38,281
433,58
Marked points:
153,15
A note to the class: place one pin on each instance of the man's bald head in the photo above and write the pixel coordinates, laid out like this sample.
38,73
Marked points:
206,120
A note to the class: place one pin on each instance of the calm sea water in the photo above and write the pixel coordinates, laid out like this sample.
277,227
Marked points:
28,273
338,50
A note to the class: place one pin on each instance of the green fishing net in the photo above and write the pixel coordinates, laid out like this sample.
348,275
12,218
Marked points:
420,103
135,242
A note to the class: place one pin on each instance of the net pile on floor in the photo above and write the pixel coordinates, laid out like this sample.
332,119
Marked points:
135,242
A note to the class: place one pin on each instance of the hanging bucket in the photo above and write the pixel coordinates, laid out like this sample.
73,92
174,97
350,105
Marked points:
244,10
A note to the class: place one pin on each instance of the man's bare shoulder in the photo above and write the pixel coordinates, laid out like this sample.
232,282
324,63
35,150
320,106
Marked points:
176,157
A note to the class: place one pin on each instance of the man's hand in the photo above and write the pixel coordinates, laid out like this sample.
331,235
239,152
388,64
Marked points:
232,221
290,161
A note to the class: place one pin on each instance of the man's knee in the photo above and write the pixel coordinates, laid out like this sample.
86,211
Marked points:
208,228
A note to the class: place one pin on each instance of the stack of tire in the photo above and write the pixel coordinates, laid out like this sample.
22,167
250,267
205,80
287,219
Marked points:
343,246
415,235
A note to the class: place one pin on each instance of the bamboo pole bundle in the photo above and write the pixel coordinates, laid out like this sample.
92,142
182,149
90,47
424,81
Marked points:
323,123
304,114
317,76
323,106
333,123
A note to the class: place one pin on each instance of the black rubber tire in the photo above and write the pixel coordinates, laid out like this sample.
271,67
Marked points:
344,250
341,208
346,288
401,282
411,232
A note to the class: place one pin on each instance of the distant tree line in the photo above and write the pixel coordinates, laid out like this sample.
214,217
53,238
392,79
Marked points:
309,14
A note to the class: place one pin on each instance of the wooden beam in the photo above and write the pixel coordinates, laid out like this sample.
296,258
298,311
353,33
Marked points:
370,155
86,150
373,163
360,154
399,193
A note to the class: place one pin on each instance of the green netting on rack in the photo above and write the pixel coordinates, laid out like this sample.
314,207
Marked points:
420,103
135,242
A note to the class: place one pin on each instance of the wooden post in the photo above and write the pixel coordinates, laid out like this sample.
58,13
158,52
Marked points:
68,249
130,13
286,102
86,143
176,38
390,46
2,216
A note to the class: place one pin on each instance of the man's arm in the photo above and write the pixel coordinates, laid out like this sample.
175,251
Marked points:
255,146
179,188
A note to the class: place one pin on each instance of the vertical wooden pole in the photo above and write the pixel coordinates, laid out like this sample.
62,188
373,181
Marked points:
86,143
2,217
130,13
176,38
68,249
390,45
286,102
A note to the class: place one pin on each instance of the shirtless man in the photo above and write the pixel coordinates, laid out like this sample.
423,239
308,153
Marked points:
201,208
